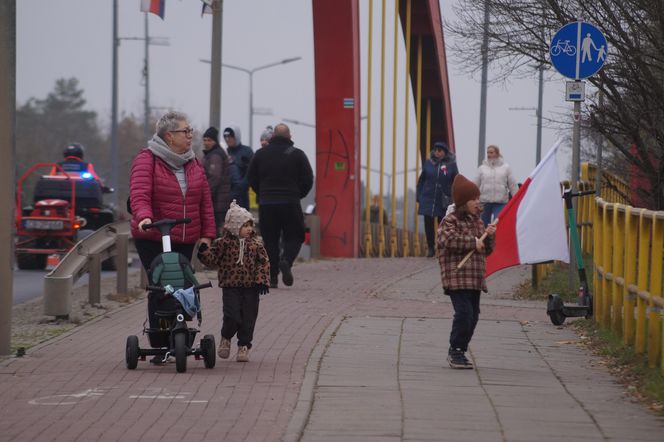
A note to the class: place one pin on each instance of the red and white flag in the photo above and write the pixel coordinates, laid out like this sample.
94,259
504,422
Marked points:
532,224
157,7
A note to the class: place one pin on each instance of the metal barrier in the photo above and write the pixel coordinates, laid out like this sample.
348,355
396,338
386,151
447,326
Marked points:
87,256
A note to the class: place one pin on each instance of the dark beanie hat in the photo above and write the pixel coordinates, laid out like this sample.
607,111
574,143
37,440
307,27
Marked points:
441,145
212,133
464,190
229,132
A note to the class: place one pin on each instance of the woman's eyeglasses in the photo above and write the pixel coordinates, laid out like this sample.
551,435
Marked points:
187,131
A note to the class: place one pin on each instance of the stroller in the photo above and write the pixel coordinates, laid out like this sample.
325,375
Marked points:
173,300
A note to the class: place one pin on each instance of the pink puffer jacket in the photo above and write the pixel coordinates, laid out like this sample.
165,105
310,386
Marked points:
155,193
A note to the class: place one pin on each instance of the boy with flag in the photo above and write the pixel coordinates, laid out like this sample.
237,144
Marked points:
459,234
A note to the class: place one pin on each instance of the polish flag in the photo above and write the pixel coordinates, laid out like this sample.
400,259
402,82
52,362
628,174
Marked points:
156,7
532,224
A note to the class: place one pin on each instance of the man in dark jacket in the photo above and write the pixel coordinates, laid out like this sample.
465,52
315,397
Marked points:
218,174
281,175
240,155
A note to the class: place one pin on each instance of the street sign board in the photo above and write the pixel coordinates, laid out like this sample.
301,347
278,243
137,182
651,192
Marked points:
578,50
575,91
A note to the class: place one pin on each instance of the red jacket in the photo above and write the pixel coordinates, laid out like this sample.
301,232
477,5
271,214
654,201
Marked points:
154,193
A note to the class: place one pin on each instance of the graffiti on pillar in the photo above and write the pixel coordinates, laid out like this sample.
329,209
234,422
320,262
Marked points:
336,161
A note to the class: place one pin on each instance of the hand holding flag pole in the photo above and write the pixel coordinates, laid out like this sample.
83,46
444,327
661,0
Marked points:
481,238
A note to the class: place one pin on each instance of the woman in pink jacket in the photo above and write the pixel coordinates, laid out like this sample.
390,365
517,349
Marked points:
167,181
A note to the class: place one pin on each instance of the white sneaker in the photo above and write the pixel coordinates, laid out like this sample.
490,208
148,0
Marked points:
242,354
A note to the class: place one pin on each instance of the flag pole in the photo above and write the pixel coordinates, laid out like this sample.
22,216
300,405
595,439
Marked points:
469,254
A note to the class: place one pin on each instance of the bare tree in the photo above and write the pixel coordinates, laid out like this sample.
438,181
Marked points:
631,82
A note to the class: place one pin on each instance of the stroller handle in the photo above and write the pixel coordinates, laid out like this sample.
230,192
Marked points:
165,225
158,288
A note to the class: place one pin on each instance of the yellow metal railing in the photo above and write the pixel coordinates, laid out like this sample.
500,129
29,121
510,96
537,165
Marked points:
627,246
628,275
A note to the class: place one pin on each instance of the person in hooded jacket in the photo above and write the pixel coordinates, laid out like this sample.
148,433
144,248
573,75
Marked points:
243,272
241,156
496,182
219,173
434,190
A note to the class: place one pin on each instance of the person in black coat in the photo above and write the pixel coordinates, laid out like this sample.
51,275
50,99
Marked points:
281,175
434,189
218,173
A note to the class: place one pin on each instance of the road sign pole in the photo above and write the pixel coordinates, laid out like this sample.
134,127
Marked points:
576,154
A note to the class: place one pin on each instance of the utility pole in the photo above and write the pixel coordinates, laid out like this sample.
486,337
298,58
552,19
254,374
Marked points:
540,100
485,77
215,72
146,77
114,107
7,156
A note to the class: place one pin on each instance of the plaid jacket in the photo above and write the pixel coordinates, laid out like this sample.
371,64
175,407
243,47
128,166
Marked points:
456,237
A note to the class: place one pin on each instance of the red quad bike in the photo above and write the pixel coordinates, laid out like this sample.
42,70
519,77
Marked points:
63,204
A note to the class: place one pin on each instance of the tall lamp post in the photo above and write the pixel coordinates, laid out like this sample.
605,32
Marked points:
251,72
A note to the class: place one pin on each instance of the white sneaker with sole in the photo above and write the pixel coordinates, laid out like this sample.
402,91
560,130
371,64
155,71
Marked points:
224,348
242,354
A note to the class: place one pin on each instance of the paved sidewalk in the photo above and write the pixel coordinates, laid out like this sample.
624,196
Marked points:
353,351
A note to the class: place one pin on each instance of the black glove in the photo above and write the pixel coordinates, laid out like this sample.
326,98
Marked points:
202,249
263,289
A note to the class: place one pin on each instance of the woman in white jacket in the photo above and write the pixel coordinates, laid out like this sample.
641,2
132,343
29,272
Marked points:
496,183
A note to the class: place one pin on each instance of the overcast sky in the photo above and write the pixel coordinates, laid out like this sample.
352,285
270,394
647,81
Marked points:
73,38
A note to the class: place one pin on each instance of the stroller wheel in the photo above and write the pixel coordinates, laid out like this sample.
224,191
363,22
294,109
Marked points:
209,348
181,352
131,352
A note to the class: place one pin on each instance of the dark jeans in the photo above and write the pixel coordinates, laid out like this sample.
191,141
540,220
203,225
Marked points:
147,251
240,313
466,314
490,211
430,226
283,221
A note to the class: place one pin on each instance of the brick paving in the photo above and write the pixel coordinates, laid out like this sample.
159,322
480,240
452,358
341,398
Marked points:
382,324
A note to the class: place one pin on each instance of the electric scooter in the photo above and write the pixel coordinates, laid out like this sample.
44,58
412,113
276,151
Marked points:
556,308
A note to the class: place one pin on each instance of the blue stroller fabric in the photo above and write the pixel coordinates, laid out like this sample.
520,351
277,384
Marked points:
189,301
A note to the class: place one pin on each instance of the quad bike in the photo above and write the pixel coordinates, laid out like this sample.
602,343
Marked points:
63,204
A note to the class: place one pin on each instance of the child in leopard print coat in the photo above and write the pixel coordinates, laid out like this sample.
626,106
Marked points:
244,274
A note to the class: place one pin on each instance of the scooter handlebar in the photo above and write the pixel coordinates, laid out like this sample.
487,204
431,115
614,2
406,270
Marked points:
167,222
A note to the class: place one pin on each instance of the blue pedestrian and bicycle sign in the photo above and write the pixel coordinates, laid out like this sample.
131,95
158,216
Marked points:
578,50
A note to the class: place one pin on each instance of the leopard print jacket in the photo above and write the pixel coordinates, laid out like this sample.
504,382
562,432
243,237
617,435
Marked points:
224,256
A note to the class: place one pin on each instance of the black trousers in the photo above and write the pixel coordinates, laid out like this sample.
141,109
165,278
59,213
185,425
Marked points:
430,226
281,221
147,251
466,314
240,313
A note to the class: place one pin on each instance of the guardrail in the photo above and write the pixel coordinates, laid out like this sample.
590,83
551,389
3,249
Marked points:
86,256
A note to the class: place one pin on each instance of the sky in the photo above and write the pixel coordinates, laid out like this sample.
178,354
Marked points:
73,38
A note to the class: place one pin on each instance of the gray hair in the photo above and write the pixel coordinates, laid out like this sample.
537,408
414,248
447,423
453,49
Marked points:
267,133
169,121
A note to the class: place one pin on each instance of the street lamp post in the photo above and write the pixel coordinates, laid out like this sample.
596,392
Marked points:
538,114
251,72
